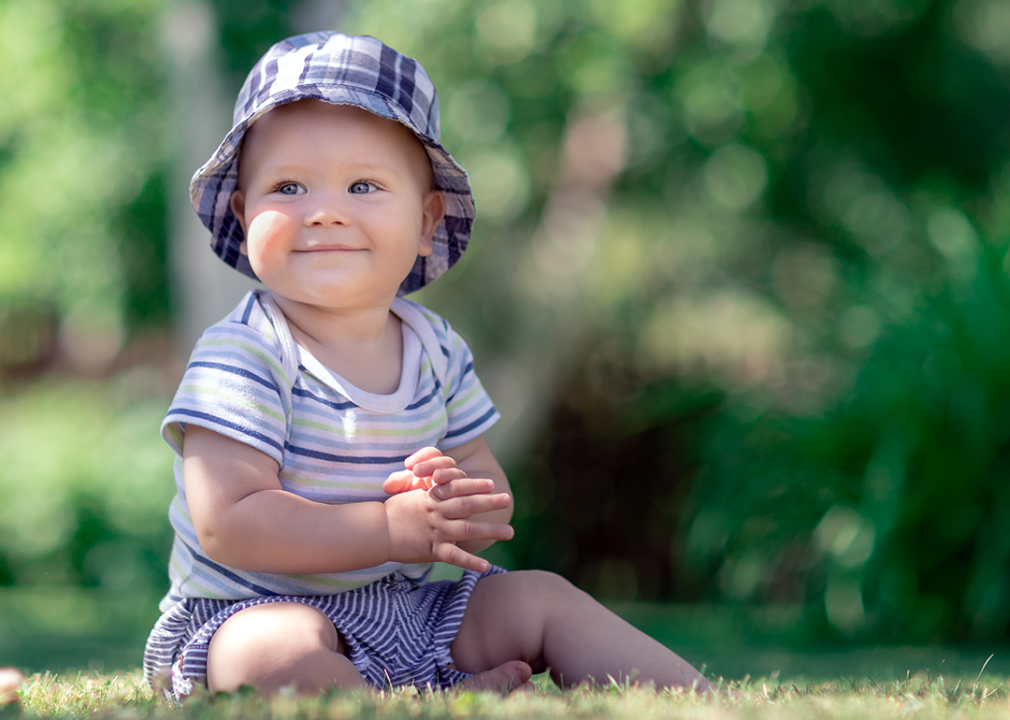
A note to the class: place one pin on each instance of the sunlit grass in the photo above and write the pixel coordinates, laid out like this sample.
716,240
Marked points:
90,695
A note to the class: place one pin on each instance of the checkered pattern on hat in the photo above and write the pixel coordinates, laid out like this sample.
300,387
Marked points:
343,70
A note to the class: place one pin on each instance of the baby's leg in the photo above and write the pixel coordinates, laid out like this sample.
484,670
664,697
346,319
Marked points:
544,620
274,645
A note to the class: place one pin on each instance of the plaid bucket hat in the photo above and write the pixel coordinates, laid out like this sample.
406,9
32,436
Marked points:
343,70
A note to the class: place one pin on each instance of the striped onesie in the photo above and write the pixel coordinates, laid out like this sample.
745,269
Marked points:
248,380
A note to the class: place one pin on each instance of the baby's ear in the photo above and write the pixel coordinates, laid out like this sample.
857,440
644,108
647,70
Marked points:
237,203
434,211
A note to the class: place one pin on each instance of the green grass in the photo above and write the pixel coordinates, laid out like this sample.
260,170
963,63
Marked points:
125,697
760,652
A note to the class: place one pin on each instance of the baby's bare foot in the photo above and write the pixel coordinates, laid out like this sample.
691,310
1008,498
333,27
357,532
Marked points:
506,678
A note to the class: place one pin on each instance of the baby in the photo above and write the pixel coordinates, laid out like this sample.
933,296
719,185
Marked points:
330,434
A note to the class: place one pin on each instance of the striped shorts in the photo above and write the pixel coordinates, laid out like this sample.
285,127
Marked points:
396,633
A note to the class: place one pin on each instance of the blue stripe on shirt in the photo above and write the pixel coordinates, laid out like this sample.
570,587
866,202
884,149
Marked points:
322,401
215,420
225,572
350,459
241,372
248,309
470,426
426,399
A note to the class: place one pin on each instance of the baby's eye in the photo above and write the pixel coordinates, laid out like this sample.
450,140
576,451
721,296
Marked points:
290,188
362,188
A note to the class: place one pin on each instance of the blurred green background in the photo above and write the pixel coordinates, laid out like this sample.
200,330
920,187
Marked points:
739,286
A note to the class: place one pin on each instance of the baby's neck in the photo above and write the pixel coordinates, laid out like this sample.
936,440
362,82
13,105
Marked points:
364,347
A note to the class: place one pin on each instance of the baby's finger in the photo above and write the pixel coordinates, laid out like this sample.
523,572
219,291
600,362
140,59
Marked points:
453,555
431,466
458,487
463,530
425,453
441,477
398,482
468,505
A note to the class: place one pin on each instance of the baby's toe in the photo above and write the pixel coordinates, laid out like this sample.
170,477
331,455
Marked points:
506,678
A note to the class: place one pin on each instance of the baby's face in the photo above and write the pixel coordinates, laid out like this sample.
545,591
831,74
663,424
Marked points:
336,204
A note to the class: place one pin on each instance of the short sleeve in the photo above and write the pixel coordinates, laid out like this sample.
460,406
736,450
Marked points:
468,407
233,386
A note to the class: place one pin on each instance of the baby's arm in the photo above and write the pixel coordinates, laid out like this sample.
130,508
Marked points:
244,519
429,467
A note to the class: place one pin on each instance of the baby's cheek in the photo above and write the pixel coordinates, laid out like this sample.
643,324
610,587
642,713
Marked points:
269,226
269,233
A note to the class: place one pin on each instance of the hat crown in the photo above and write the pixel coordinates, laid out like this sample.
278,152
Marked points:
343,63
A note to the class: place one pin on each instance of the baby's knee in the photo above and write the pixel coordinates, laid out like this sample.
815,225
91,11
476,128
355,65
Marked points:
546,581
276,624
532,597
540,585
266,646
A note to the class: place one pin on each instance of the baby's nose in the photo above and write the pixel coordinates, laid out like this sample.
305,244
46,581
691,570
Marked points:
327,211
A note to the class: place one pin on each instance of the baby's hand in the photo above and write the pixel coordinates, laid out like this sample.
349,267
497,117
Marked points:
422,472
425,526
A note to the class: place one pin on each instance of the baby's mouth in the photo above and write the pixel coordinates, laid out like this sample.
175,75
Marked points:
323,248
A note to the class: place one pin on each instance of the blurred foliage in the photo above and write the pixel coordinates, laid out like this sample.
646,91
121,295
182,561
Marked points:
84,486
780,300
738,275
247,30
82,155
891,511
